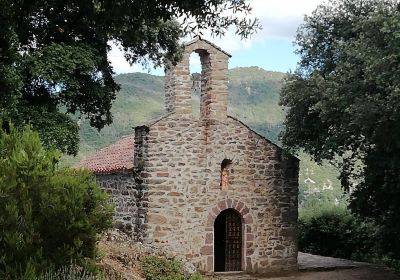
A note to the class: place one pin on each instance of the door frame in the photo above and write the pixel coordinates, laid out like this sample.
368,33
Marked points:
248,247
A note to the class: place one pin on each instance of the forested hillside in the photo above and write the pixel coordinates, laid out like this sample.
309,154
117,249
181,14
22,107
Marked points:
253,98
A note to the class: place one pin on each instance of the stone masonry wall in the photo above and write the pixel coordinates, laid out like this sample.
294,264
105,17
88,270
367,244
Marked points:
181,168
127,194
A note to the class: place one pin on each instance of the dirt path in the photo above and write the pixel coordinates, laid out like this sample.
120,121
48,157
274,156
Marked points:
314,267
308,262
360,273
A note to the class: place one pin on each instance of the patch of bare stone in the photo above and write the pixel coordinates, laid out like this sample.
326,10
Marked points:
121,255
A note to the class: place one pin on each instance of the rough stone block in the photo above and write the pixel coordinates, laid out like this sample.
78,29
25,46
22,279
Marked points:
206,250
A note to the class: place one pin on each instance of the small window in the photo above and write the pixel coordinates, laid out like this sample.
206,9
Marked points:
225,170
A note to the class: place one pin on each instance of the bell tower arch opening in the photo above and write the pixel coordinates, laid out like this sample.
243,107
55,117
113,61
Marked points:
211,83
228,241
195,76
200,71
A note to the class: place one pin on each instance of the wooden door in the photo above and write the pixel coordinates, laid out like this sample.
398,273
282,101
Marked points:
233,242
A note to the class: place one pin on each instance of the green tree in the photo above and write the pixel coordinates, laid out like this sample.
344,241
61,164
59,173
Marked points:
53,54
48,217
343,103
333,231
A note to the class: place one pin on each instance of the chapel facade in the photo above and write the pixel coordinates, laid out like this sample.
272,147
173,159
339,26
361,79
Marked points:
210,188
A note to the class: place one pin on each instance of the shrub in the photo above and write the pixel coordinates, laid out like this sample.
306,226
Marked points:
71,272
334,231
48,217
196,276
158,268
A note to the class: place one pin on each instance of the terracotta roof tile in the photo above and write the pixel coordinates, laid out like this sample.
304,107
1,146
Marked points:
116,157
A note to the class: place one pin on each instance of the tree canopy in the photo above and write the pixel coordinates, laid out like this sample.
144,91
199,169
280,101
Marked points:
53,54
343,103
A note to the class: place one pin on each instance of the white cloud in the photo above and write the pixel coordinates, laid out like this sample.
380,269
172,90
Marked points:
119,63
283,8
280,20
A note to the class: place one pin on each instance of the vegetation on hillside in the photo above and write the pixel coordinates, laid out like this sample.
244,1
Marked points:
254,97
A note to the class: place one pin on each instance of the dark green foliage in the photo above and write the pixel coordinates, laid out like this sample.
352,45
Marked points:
56,129
343,103
329,230
158,268
48,217
53,54
334,231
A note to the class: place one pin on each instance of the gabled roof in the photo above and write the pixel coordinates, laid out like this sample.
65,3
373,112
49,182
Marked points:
198,38
116,157
259,135
154,121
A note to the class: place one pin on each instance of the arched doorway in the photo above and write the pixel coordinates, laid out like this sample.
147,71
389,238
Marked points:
228,241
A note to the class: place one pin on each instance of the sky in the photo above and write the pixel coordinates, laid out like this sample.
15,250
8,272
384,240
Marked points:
271,48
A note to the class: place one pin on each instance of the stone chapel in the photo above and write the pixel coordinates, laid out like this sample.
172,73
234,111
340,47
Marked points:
210,188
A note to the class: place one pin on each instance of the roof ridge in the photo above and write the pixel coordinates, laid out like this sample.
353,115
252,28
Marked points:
155,120
258,134
198,38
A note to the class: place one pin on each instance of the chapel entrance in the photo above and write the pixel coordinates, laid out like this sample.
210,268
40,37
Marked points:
228,241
